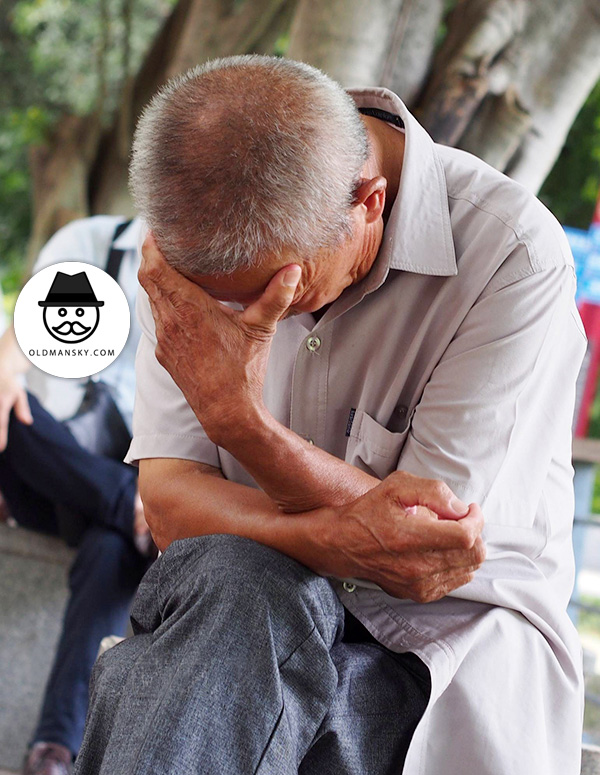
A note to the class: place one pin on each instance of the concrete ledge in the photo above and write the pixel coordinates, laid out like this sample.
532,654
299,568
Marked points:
26,543
590,762
33,592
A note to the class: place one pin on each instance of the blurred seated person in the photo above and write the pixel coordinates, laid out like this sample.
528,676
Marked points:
51,484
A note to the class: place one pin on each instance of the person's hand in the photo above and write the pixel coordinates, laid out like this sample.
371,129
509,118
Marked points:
12,396
411,536
216,355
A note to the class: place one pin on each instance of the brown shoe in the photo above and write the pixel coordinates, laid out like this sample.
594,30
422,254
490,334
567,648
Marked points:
48,759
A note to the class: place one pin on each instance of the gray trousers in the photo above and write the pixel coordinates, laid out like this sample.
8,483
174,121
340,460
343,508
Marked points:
240,665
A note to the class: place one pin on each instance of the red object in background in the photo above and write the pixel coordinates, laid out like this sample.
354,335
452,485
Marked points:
596,216
588,377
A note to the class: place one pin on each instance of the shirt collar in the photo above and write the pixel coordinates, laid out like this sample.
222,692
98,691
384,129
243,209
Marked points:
128,239
418,234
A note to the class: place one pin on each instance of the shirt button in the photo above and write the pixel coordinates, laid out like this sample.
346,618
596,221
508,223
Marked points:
348,586
313,343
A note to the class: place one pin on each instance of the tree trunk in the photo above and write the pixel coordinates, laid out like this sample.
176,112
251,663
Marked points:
59,174
510,79
197,30
506,83
412,45
368,44
348,39
95,180
554,85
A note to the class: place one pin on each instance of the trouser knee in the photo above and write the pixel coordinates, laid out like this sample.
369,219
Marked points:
111,669
228,569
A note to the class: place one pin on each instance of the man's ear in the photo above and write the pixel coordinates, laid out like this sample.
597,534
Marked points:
370,194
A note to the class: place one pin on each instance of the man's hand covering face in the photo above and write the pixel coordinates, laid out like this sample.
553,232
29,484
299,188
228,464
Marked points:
216,355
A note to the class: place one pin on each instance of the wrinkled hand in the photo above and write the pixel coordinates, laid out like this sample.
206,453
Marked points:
12,395
420,553
216,355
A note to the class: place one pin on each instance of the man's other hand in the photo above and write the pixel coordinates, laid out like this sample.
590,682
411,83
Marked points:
12,396
411,536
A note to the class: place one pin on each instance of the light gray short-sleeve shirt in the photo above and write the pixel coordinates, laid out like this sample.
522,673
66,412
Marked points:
455,358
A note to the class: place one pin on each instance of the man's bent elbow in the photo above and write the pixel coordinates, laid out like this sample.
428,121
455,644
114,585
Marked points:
154,495
157,523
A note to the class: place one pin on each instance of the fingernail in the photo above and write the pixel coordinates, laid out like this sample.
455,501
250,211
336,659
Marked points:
459,507
292,277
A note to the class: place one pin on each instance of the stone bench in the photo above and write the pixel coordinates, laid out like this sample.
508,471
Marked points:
590,763
33,591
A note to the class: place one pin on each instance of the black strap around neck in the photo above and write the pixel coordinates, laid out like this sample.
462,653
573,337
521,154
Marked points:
115,256
391,118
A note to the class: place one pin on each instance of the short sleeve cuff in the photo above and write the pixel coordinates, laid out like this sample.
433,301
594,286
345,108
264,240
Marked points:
183,447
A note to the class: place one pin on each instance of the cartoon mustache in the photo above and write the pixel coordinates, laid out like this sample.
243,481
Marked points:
66,328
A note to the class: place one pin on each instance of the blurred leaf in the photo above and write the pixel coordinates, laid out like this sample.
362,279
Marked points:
571,189
49,54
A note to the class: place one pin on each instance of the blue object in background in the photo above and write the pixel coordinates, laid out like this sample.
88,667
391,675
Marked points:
585,246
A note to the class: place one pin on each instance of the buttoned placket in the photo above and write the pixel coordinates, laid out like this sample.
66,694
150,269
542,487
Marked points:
308,416
309,394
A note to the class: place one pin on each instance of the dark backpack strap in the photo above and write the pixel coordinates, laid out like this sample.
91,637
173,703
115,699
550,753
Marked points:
115,256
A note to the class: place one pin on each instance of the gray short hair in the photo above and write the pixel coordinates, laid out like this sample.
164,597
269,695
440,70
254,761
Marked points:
244,158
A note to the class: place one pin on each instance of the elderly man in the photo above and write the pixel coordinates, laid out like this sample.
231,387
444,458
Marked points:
348,334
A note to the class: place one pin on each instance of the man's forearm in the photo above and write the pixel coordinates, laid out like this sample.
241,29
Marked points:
190,502
409,553
295,474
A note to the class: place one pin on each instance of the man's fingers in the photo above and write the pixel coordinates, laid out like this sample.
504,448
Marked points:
430,587
156,276
437,587
458,559
22,409
4,415
424,533
464,531
425,563
264,314
153,266
412,490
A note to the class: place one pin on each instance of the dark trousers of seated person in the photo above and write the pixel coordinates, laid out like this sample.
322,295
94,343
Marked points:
245,662
54,486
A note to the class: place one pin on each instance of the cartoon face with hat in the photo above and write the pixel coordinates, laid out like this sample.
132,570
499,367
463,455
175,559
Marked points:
71,309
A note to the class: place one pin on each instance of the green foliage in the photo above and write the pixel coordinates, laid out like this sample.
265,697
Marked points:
589,621
571,189
58,57
77,48
594,426
19,128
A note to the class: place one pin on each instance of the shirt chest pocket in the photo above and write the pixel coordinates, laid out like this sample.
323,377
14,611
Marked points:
372,447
